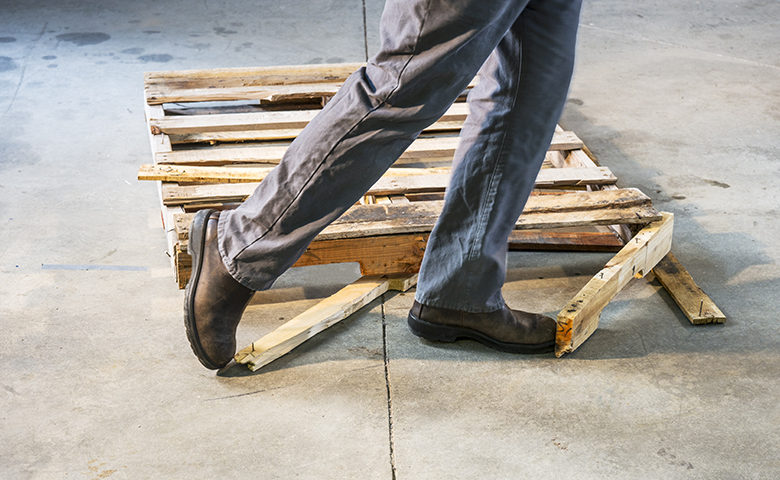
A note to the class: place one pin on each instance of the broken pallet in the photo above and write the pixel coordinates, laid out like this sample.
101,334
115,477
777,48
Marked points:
215,134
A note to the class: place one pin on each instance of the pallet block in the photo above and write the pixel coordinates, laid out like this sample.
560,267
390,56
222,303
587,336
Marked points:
215,134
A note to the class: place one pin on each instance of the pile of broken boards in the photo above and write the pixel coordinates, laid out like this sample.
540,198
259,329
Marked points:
216,133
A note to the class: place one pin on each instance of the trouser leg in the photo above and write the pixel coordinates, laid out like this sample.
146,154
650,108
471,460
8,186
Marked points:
430,50
513,113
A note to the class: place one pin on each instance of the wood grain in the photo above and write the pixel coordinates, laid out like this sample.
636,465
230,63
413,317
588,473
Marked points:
396,181
323,315
694,303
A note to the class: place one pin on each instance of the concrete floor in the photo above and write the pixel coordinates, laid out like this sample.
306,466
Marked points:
679,98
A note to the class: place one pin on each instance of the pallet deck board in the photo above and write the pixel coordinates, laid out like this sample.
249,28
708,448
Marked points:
397,181
439,147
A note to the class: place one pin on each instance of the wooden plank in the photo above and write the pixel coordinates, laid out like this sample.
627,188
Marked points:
694,303
286,125
579,319
379,255
270,125
589,239
240,83
607,216
420,150
572,209
439,148
260,75
160,143
397,181
273,84
578,158
325,314
560,141
197,174
403,253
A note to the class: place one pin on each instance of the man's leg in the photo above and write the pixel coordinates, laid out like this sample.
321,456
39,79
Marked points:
512,116
430,51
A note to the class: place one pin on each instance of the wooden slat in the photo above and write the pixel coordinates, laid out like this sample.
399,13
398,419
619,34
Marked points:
194,174
325,314
694,303
543,211
579,319
440,148
420,150
278,83
395,181
378,255
592,239
260,75
607,216
160,143
579,158
286,125
272,125
240,83
403,253
405,181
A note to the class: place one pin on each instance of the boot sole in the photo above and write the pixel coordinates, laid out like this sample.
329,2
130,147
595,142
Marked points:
195,247
447,333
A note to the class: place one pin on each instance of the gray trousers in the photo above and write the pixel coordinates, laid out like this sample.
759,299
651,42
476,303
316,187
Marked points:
430,51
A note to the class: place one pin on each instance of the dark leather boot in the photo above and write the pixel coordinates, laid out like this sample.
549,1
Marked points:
213,301
506,329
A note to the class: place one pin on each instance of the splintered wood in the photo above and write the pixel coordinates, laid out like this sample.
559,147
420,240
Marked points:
579,319
216,134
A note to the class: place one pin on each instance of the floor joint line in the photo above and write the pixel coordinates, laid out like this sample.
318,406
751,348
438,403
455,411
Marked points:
365,32
387,390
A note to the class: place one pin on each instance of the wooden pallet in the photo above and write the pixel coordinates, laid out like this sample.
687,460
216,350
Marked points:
216,133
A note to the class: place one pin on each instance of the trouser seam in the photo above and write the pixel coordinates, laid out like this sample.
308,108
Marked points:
492,186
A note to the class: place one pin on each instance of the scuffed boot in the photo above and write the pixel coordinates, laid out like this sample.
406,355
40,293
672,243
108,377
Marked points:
506,329
213,301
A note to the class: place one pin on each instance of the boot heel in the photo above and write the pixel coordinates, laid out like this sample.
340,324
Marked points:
430,331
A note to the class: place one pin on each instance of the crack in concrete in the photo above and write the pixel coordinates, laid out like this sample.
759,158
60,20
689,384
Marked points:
24,67
365,34
387,390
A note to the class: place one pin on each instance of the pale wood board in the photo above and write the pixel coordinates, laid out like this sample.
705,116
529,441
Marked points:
694,303
160,143
439,148
579,319
571,209
190,124
325,314
398,181
276,83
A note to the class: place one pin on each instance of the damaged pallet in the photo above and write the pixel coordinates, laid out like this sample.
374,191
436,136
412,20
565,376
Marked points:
215,135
